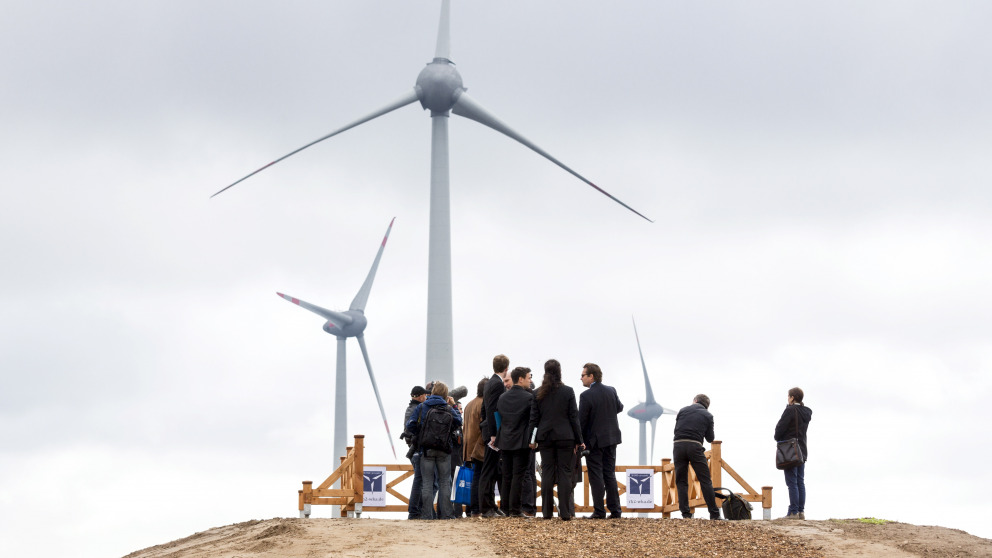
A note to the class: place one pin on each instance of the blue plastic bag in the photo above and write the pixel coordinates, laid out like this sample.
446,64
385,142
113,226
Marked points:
462,492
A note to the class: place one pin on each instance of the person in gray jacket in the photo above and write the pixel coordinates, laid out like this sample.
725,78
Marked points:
693,424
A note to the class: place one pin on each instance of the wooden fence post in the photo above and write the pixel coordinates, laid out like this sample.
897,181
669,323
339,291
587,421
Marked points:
306,497
716,463
359,474
766,502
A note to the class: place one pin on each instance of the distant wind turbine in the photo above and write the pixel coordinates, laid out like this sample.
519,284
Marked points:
650,410
350,323
439,89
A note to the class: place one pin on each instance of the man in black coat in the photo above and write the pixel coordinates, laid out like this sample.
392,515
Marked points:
489,475
598,409
513,439
693,424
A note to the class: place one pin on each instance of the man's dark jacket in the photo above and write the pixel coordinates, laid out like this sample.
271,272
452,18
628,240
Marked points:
694,423
556,417
786,427
490,397
598,409
514,411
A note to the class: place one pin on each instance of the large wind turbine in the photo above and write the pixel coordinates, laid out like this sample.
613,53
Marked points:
350,323
650,410
439,90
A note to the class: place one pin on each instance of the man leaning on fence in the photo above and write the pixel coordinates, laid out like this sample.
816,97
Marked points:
692,425
433,425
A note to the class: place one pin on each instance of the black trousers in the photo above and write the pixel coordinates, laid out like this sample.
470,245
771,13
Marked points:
473,508
515,461
528,495
487,481
691,453
557,458
601,464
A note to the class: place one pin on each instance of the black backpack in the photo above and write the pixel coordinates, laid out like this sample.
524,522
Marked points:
436,427
734,507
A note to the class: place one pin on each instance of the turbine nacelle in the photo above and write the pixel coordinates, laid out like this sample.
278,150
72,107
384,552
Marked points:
353,329
438,86
646,411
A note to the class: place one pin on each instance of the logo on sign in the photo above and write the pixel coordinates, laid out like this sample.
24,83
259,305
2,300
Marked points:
640,483
373,481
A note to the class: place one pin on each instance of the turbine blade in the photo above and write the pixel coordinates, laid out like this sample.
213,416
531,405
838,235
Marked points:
375,388
654,423
647,382
338,318
443,49
363,294
468,108
399,103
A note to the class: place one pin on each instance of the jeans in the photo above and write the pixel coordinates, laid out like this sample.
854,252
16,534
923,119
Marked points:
416,493
795,479
439,461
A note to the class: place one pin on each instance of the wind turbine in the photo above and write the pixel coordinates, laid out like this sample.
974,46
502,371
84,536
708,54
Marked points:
349,323
439,90
650,410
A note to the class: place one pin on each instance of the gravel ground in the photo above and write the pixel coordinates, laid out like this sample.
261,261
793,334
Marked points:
643,537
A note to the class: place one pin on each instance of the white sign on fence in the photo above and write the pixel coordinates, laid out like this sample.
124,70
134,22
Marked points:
375,486
640,488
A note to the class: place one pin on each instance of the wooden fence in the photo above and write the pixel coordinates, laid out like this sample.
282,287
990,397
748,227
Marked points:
351,493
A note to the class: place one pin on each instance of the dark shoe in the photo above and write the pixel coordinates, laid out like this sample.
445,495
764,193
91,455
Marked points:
566,518
614,516
546,517
500,512
689,516
490,514
594,516
717,518
517,514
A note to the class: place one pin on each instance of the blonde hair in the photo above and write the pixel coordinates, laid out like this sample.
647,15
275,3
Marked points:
440,389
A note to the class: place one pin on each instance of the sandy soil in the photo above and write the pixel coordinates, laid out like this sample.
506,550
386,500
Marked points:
491,538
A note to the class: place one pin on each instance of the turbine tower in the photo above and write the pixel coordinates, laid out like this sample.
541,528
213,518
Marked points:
349,323
439,89
650,410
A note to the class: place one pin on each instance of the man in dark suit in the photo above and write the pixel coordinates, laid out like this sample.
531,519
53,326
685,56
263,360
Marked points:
513,439
489,475
598,410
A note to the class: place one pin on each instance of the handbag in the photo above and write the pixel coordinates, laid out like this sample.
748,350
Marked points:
462,494
788,454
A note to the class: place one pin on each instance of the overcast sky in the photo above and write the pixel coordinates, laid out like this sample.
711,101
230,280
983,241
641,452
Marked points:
818,174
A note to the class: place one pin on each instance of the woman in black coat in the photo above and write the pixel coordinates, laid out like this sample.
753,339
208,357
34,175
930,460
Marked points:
556,418
793,424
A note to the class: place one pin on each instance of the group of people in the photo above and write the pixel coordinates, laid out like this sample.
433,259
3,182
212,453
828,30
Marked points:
509,421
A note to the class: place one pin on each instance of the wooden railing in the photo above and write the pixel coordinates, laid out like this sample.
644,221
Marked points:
352,491
349,497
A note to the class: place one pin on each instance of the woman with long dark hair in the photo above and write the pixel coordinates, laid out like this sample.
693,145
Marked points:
793,424
556,418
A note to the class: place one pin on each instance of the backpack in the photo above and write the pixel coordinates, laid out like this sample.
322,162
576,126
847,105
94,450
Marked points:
734,507
436,427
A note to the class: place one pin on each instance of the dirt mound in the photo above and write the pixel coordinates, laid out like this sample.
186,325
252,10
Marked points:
500,538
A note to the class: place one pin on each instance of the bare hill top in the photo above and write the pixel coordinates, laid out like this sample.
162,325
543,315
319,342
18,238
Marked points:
490,538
